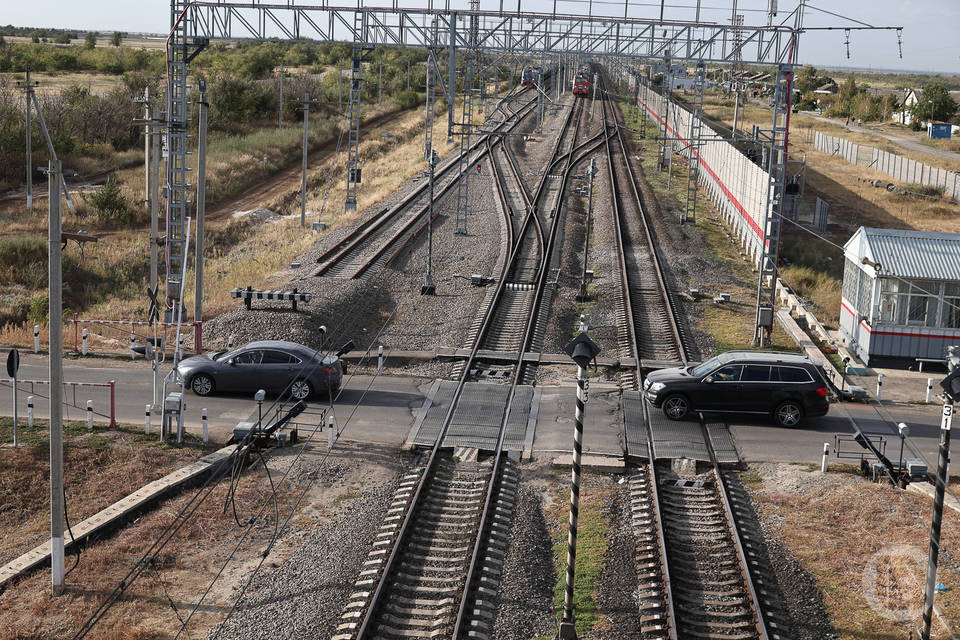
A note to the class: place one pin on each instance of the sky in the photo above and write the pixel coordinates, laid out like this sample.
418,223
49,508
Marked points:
930,41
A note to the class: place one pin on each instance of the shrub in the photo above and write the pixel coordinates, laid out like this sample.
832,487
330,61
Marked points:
110,204
408,99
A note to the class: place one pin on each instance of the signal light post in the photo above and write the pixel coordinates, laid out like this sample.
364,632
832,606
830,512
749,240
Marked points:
951,393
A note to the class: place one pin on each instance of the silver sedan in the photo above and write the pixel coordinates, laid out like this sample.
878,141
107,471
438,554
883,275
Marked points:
273,365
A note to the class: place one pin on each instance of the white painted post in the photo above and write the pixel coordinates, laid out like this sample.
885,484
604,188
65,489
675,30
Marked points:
929,390
203,421
133,340
89,415
146,418
379,359
30,412
179,347
230,342
83,346
36,338
879,386
331,425
826,454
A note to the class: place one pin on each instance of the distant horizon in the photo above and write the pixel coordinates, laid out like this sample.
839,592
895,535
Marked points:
927,44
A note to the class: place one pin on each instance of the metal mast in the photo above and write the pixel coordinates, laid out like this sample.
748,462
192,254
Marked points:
776,167
696,122
466,126
356,87
177,152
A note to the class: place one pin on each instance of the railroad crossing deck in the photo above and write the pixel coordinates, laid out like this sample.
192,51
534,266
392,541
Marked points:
673,438
476,420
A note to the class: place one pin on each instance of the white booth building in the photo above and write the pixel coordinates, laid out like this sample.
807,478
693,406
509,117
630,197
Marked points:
901,294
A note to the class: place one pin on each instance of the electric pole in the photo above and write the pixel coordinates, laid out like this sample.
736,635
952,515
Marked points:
303,178
380,83
201,202
280,118
55,377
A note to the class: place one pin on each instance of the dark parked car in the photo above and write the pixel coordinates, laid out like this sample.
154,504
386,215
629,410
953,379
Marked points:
272,365
785,386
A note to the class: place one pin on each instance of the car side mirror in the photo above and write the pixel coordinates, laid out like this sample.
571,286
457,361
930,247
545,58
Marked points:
231,362
708,379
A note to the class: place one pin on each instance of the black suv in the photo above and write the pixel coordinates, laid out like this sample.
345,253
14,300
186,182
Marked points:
786,386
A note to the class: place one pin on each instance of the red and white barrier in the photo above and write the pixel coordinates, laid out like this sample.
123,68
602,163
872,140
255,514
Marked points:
70,396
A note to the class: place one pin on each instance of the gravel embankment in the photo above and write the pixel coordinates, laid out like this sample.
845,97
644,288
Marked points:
525,599
618,582
304,597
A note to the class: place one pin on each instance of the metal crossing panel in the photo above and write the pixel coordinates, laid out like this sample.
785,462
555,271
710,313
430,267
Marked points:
722,442
635,427
476,420
676,438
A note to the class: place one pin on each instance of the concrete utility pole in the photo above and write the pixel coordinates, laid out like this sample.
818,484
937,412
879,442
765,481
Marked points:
29,88
303,178
146,143
155,209
429,288
380,83
280,119
55,377
201,202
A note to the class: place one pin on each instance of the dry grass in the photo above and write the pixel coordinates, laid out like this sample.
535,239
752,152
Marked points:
54,83
100,468
838,532
236,255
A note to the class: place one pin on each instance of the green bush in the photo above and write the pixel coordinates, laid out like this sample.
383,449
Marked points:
408,99
110,203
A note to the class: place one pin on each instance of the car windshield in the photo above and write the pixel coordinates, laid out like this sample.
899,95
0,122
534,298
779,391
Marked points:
704,368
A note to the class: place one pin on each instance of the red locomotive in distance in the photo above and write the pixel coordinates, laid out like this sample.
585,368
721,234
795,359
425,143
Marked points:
581,84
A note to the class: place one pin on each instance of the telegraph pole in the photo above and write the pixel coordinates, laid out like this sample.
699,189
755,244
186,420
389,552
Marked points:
201,202
55,377
303,179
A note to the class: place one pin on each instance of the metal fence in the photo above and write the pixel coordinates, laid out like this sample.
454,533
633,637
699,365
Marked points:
896,166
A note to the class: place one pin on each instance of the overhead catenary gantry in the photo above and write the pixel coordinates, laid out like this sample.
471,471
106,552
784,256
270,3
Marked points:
619,33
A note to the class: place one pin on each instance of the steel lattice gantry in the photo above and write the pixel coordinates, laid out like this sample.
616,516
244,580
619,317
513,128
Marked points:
195,23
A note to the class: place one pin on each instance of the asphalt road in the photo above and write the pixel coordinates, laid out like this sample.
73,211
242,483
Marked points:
382,409
381,413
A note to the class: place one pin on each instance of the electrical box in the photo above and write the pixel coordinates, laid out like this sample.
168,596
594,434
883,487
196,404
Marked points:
173,401
915,467
765,317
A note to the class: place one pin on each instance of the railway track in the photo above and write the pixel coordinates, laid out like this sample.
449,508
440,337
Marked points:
694,577
648,327
436,560
374,242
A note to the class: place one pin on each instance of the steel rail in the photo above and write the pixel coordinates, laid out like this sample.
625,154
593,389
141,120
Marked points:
373,603
366,229
484,518
655,253
743,564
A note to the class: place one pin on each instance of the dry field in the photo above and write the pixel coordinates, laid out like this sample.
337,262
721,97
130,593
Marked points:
244,252
864,545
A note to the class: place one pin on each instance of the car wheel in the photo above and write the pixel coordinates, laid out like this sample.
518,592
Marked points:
300,390
676,407
788,414
202,384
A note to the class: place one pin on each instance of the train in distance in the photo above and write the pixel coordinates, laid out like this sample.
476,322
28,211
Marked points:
581,84
530,77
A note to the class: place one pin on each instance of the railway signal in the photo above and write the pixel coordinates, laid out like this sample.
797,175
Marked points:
582,350
951,393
